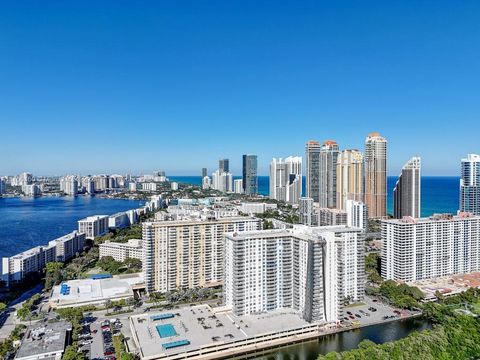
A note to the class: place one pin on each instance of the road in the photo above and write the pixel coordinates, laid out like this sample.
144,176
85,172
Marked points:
8,321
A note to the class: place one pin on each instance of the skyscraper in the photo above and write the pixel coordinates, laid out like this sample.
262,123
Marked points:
470,184
376,175
406,194
250,179
312,170
286,179
223,165
349,177
328,174
204,172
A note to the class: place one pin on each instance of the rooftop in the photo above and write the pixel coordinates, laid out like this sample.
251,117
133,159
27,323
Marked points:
47,338
197,326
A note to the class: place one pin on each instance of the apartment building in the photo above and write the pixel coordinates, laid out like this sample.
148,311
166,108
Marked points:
425,248
188,253
133,249
314,270
93,226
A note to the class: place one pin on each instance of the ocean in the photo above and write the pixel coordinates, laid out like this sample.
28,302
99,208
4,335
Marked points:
29,222
440,194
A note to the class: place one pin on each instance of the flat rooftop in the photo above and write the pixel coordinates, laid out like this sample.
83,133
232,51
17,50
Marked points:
201,325
447,285
43,339
87,291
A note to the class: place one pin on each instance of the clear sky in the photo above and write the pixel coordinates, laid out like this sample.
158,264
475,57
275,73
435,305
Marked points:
117,86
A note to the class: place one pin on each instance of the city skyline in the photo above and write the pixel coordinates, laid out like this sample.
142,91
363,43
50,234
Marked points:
143,80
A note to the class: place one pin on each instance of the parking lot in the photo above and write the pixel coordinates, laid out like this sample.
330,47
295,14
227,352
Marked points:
371,311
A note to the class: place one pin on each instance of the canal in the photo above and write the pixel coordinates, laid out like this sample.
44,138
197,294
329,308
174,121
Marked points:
347,340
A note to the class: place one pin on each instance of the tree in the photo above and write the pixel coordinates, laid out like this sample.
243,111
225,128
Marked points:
71,353
53,274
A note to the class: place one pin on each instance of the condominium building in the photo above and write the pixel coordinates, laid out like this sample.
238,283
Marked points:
406,194
16,268
204,172
305,211
238,186
88,185
69,185
330,217
470,184
312,170
31,190
253,208
314,271
425,248
357,214
349,177
120,220
188,254
328,174
2,186
133,249
222,181
93,226
249,172
376,175
174,186
224,165
286,179
206,183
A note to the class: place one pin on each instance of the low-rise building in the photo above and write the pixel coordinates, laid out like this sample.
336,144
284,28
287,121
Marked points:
93,291
120,251
46,341
93,226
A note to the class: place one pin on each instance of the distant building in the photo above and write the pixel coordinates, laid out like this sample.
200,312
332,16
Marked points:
31,190
69,185
357,214
406,194
331,217
328,174
223,165
149,186
250,178
93,226
256,207
286,179
132,186
199,242
206,183
2,186
305,211
204,172
349,177
222,181
238,186
312,170
425,248
470,184
376,175
174,186
88,185
120,220
120,251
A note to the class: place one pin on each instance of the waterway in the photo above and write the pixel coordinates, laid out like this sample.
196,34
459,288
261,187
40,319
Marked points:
346,340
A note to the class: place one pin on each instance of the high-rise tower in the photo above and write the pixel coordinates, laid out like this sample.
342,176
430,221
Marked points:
349,177
406,194
376,175
328,174
312,169
470,184
250,178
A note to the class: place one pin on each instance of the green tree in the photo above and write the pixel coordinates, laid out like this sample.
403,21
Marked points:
53,274
71,353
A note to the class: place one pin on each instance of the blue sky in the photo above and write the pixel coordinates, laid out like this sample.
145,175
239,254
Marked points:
117,86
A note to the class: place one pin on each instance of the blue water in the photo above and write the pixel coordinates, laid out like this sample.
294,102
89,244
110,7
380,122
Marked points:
440,194
28,222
